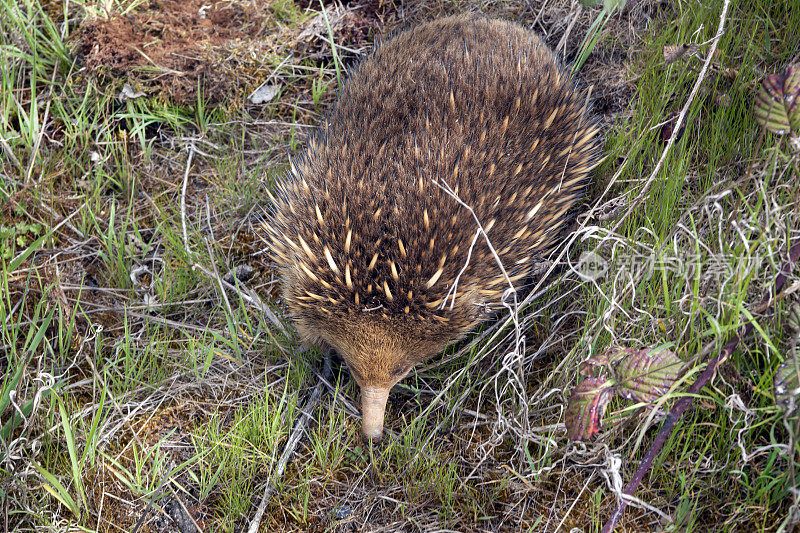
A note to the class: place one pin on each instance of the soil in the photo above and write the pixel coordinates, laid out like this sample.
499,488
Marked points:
176,46
171,36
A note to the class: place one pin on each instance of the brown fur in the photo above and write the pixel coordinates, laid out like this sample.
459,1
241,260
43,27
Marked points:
368,244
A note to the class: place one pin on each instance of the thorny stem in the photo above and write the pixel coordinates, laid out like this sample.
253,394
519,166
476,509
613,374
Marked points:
684,402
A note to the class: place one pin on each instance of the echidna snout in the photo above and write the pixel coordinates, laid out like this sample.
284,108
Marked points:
379,351
373,409
458,125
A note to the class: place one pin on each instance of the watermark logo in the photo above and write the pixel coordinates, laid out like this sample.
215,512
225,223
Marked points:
591,266
642,266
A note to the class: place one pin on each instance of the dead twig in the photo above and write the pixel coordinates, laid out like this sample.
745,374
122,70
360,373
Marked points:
291,444
249,297
187,513
183,199
10,153
146,513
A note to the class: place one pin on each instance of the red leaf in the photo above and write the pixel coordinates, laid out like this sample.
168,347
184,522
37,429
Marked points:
669,126
586,407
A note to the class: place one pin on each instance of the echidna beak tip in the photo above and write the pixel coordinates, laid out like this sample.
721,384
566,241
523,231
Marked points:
373,408
371,439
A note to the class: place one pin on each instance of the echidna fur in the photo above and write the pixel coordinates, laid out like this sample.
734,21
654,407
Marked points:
370,229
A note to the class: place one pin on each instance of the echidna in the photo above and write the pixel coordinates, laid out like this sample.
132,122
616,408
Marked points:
461,125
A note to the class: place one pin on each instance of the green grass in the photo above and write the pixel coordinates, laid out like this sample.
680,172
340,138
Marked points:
144,384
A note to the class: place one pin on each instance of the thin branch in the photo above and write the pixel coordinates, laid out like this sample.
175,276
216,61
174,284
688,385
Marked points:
248,296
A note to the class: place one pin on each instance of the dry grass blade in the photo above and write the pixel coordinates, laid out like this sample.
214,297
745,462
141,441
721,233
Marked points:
183,199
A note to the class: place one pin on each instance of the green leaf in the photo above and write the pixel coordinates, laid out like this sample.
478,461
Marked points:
17,261
8,386
791,95
58,491
72,450
787,385
777,105
586,407
648,374
608,5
